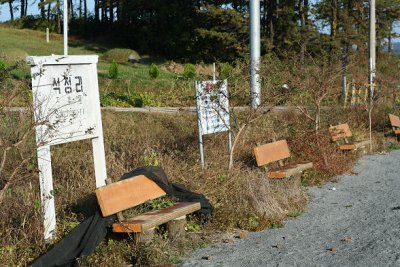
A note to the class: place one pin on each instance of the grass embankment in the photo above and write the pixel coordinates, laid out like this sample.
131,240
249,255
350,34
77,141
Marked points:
242,197
132,87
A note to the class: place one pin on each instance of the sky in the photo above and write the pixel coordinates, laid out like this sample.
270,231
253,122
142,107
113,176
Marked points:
33,10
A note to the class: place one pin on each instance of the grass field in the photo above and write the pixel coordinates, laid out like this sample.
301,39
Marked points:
133,81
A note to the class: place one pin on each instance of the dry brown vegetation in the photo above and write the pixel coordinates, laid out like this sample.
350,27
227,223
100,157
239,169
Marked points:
241,196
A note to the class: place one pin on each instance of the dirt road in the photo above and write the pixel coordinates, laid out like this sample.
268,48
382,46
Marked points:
355,222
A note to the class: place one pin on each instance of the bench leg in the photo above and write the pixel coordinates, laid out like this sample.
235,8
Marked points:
144,237
176,228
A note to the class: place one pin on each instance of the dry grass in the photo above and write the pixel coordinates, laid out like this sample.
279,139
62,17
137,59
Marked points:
242,197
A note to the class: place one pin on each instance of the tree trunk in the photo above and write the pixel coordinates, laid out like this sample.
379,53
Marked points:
42,9
80,9
390,37
22,8
111,10
118,7
334,22
302,13
11,10
58,16
271,20
85,9
26,8
70,10
96,10
48,12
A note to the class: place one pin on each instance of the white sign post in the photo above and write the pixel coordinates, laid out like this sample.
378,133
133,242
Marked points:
212,110
66,108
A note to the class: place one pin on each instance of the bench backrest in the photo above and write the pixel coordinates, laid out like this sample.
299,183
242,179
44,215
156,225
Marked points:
271,152
340,131
394,120
126,194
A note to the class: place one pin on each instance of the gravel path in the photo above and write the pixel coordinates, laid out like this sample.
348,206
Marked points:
355,222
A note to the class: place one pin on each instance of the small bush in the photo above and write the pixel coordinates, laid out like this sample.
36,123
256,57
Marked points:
226,70
113,71
3,70
189,71
121,55
154,72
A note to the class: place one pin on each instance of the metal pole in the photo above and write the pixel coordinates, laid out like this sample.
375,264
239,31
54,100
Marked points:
65,27
372,47
255,91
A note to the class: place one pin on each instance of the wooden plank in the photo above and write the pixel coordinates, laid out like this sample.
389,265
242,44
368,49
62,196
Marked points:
152,219
271,152
291,171
126,194
276,174
298,169
340,131
347,147
394,120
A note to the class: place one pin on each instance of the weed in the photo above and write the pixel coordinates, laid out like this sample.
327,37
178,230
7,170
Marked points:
192,226
226,70
151,158
189,71
154,72
276,225
253,221
394,146
113,71
294,214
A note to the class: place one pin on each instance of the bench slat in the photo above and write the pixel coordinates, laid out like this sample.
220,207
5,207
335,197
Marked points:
340,131
394,120
126,194
355,145
271,152
152,219
285,173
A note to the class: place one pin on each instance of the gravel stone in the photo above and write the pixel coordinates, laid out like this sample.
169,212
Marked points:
360,220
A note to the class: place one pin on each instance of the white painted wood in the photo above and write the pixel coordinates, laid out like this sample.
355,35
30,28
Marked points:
98,143
46,191
47,35
66,106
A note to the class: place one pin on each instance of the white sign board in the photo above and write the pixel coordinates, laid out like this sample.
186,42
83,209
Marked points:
66,108
212,106
212,110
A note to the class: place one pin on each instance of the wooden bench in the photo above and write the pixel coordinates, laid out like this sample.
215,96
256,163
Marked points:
395,123
277,152
340,134
128,193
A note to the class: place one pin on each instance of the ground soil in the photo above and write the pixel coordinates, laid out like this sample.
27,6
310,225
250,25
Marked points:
354,222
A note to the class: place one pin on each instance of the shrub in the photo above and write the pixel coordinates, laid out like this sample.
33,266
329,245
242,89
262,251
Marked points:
113,71
189,71
226,70
3,70
154,72
121,55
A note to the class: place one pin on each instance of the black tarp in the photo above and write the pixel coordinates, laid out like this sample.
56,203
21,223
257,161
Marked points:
84,238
